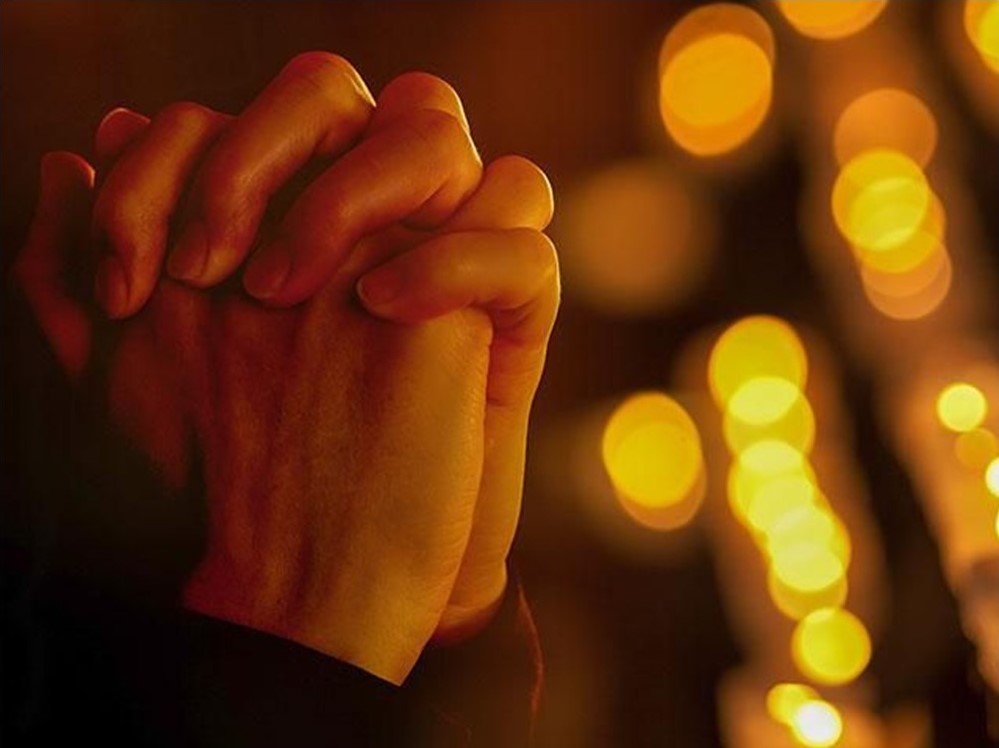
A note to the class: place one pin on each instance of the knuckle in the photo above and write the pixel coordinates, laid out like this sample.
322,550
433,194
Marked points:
185,114
540,252
419,88
527,180
440,131
119,209
224,183
324,71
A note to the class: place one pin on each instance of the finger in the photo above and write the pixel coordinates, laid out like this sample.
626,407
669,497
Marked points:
140,196
411,91
514,193
419,168
511,274
43,267
317,106
119,128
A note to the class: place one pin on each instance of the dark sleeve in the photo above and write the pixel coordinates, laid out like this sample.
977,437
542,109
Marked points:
169,679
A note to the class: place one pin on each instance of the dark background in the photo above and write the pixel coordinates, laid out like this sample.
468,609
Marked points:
634,647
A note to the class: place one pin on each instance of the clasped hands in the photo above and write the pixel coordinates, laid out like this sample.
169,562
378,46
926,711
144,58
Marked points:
353,377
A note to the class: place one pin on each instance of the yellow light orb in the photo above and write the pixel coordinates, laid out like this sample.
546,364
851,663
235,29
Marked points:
831,646
817,724
763,400
784,699
961,407
796,427
744,482
880,199
828,19
981,22
809,525
652,451
805,567
913,258
796,604
910,296
975,449
776,499
992,477
755,347
715,83
886,118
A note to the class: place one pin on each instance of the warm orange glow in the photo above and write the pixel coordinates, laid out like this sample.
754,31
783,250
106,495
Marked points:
784,699
828,19
754,347
961,407
817,724
831,646
635,239
908,297
715,83
809,525
981,23
886,118
992,477
881,200
795,427
652,453
975,449
763,400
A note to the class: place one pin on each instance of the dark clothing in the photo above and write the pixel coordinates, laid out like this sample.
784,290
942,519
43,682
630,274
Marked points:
99,670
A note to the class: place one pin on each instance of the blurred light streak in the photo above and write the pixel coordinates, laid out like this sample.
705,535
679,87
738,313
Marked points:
635,239
716,78
817,724
754,347
652,453
981,24
831,646
823,19
888,118
961,407
796,604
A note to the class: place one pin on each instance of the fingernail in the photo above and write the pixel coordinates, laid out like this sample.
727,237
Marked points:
267,271
111,286
379,288
189,257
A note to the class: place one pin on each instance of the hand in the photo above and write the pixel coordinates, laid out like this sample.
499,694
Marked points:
364,477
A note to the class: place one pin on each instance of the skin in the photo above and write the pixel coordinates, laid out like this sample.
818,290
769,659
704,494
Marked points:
360,417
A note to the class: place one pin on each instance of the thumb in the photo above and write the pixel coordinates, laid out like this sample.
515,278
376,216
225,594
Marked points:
43,267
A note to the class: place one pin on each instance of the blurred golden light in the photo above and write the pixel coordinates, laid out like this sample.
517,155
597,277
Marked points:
825,19
981,22
796,604
975,449
817,724
886,118
992,477
809,525
744,482
771,457
784,699
755,347
961,407
796,427
831,646
909,296
777,498
805,567
880,199
635,239
763,400
913,255
715,78
652,454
